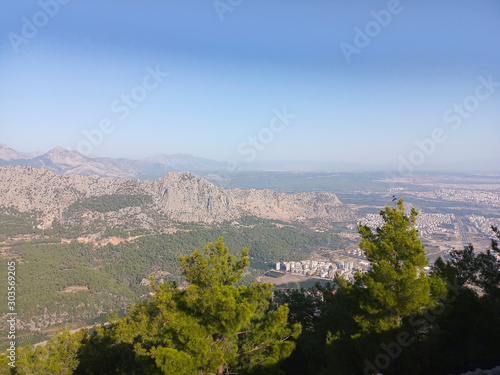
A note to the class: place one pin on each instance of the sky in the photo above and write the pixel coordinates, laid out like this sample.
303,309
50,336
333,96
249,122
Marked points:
399,85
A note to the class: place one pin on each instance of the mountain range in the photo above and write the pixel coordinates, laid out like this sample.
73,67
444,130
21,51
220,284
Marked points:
67,162
179,196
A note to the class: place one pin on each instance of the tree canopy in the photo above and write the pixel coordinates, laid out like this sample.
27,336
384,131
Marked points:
449,317
397,285
209,327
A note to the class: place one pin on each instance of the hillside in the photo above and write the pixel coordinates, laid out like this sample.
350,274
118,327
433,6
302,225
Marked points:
86,245
181,196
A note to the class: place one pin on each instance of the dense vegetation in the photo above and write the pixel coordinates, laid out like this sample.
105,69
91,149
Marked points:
210,327
105,278
123,233
14,223
47,270
108,203
394,319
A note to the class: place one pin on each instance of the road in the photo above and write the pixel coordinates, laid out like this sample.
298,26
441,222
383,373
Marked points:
463,233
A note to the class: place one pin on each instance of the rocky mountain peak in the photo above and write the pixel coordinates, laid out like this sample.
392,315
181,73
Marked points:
58,149
60,155
6,153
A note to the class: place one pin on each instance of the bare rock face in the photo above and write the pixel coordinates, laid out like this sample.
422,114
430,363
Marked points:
271,204
187,197
29,189
181,196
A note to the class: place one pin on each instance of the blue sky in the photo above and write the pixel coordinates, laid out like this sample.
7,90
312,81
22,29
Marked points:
228,77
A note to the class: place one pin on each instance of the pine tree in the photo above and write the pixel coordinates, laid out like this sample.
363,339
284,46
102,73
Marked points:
57,357
212,326
467,337
397,285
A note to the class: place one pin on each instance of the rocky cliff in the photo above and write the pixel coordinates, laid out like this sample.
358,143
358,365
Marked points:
181,196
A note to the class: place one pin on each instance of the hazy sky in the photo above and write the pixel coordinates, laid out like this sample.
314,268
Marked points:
357,81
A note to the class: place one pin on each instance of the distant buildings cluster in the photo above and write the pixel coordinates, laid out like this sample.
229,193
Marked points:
358,254
483,224
325,270
328,270
486,198
427,224
310,268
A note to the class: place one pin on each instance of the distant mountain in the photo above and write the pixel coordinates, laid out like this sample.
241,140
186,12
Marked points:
61,156
7,154
62,161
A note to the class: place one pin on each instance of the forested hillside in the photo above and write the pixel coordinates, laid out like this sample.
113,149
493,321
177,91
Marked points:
393,319
68,274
